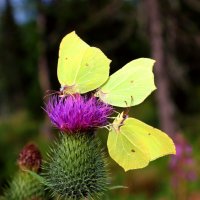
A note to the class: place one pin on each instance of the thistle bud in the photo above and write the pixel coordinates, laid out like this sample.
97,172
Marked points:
24,186
30,158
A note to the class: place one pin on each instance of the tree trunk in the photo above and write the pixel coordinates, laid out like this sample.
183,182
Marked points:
43,72
166,106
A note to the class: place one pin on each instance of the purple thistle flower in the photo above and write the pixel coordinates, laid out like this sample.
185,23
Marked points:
182,164
77,113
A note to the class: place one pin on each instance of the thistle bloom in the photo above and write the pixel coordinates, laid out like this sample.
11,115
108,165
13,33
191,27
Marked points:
183,163
77,113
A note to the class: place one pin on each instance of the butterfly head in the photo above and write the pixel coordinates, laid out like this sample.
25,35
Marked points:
119,121
68,90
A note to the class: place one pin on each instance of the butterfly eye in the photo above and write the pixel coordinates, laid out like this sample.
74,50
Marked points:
62,88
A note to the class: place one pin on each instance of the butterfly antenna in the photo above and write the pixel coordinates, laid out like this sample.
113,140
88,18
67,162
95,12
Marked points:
116,112
49,93
132,99
126,111
108,127
111,117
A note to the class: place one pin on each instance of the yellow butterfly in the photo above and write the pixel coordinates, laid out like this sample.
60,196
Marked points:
133,144
81,68
134,81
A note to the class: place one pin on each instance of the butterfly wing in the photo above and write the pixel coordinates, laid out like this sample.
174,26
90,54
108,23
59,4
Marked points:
158,143
93,71
134,144
126,149
81,66
71,51
130,85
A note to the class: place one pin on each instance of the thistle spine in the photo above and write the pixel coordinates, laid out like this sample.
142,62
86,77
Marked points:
76,168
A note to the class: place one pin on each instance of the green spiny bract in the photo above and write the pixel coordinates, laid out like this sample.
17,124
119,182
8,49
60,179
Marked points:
24,187
76,168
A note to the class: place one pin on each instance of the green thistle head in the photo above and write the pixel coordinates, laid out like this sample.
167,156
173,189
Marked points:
24,187
76,168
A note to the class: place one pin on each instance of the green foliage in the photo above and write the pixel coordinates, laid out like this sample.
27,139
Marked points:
14,133
24,187
76,168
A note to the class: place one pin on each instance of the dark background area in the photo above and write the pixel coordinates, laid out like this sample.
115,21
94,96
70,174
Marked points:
168,31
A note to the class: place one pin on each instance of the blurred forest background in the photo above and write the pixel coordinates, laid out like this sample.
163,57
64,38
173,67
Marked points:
166,30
